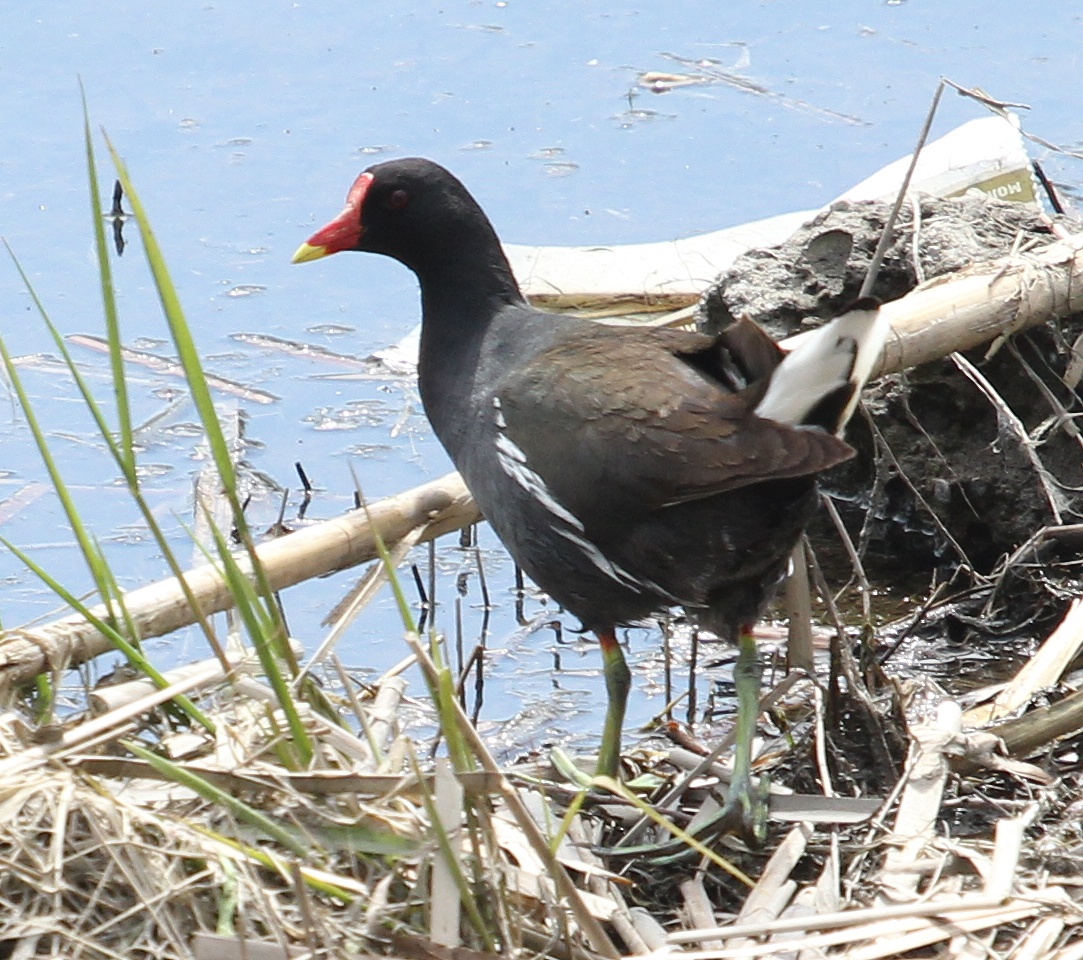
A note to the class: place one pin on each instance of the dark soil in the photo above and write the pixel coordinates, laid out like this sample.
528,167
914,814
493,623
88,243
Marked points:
947,478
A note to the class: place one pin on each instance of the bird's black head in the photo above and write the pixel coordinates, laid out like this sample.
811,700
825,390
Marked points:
412,209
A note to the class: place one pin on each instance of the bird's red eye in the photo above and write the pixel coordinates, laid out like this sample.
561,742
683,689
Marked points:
398,199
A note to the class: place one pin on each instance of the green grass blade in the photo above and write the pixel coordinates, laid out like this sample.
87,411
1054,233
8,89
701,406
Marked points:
133,653
189,358
95,562
104,580
208,791
620,790
261,629
126,465
129,469
185,346
443,695
273,862
124,457
122,447
442,686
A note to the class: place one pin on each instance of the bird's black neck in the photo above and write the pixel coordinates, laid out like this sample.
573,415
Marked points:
462,296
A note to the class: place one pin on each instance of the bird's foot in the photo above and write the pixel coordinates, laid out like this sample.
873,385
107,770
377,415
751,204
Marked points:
744,816
745,813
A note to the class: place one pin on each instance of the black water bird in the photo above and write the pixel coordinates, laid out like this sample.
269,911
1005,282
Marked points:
627,470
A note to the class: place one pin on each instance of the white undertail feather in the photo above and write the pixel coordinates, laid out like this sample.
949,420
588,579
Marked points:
844,350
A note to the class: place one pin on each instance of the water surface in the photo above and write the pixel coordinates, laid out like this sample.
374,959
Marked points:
244,125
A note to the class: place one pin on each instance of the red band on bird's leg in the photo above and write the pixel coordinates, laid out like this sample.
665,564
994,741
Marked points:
608,641
618,681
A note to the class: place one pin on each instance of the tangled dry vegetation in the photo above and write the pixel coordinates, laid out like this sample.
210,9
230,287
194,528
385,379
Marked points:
910,817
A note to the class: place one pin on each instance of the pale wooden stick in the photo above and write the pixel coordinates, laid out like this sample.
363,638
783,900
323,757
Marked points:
649,930
446,905
217,946
821,898
798,605
698,909
160,608
105,698
1036,728
919,805
1040,671
107,726
931,932
763,904
775,889
1010,837
971,307
1038,944
1074,951
886,939
968,904
380,719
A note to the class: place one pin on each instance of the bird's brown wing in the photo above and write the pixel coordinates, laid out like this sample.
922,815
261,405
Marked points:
654,418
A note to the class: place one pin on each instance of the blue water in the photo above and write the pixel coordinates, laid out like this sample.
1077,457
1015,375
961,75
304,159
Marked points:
244,125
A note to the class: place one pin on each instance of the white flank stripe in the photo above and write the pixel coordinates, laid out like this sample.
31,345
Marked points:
602,562
499,415
513,463
615,572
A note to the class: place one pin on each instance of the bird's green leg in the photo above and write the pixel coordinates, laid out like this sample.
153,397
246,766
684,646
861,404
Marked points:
618,680
745,812
746,805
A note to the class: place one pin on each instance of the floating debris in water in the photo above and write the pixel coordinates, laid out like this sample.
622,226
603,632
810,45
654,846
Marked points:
172,368
245,290
561,168
296,348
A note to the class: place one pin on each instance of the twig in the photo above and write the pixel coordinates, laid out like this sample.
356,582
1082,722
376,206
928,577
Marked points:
160,608
1007,418
889,226
1041,671
798,606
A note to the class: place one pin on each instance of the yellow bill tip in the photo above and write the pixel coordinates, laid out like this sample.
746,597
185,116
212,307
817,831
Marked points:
307,252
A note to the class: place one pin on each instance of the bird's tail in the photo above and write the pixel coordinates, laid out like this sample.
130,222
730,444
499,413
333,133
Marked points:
819,382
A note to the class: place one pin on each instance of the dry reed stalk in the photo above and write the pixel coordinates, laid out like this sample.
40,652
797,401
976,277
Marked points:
985,302
1041,671
919,804
775,888
160,608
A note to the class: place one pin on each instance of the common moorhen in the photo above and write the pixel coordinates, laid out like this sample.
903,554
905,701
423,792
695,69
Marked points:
627,470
